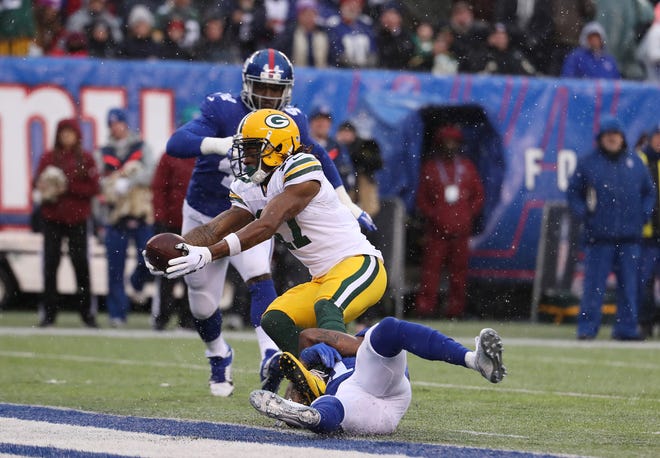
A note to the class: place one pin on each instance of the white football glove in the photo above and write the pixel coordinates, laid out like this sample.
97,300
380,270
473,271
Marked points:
216,145
150,266
197,257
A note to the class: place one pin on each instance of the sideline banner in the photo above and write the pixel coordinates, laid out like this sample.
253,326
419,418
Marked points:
526,143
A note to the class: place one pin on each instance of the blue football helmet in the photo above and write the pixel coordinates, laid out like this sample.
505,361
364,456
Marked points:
267,67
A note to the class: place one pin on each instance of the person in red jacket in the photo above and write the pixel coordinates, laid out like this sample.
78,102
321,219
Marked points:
67,180
450,197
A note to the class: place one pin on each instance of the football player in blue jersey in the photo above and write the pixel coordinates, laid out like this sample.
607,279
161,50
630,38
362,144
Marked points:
268,79
368,389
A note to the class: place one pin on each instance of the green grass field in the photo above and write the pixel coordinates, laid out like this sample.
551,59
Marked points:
599,398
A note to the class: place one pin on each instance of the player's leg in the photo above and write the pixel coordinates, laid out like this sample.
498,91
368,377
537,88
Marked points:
348,290
205,289
627,261
597,266
253,266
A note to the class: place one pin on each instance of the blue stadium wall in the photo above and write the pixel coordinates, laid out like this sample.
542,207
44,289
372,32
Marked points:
525,143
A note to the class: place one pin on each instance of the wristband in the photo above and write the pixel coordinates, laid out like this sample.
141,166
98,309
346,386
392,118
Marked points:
233,243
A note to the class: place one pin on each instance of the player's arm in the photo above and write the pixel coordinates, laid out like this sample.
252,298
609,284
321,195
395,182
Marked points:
345,344
282,208
209,234
198,137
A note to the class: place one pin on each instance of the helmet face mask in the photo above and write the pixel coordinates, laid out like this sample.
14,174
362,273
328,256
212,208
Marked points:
264,140
267,80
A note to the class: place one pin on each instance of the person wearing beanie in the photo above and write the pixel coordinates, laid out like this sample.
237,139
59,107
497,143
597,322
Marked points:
650,262
450,197
612,193
67,180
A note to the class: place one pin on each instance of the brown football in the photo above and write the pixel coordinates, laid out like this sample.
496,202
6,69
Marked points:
160,249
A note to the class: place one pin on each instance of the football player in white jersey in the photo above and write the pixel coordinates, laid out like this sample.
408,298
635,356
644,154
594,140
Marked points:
281,191
368,389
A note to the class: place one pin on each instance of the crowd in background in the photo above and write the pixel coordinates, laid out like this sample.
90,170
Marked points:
574,38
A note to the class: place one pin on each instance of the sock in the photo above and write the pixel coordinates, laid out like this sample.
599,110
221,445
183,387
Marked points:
332,414
281,328
266,344
391,336
209,330
262,293
471,360
329,316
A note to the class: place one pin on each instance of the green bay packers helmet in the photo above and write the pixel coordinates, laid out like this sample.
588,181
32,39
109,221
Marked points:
272,135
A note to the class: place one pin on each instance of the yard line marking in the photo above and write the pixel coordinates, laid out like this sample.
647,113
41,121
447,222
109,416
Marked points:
539,392
482,433
128,362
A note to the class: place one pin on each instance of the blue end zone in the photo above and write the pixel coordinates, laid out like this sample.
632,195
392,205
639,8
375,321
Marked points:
224,432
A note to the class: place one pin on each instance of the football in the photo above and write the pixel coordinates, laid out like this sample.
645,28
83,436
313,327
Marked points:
160,249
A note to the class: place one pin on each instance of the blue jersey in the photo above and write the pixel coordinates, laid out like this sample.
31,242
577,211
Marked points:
221,113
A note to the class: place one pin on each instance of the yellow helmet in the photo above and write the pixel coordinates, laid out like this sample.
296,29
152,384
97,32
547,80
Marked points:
272,134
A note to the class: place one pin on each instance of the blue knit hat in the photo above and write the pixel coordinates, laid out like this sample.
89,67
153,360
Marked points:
117,115
610,124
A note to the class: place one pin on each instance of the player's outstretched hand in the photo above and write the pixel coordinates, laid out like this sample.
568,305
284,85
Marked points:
197,257
366,222
150,266
320,353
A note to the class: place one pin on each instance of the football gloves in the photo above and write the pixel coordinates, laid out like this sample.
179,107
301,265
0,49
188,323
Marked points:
197,257
366,222
150,266
320,353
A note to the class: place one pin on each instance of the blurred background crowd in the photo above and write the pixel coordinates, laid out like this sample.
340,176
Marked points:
574,38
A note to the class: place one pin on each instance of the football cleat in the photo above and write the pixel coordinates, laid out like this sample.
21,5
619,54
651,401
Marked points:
309,384
220,382
270,372
291,413
488,358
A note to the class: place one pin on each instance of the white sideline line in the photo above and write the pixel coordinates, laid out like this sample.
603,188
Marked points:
479,433
59,438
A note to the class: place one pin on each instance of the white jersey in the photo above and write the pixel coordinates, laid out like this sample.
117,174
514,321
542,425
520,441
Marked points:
325,232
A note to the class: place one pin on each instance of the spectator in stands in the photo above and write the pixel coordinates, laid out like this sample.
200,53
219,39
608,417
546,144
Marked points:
624,23
304,39
612,193
172,47
17,28
169,187
648,51
179,11
247,26
320,124
650,262
499,57
127,165
529,24
469,33
99,40
49,26
74,44
393,40
139,42
215,45
591,59
67,180
568,19
444,62
450,197
352,40
278,13
423,43
92,11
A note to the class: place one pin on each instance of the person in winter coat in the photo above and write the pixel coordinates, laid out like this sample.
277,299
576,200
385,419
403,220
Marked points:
450,196
612,193
67,180
591,59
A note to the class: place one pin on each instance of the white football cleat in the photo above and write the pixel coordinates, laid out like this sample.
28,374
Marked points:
488,355
221,383
291,413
